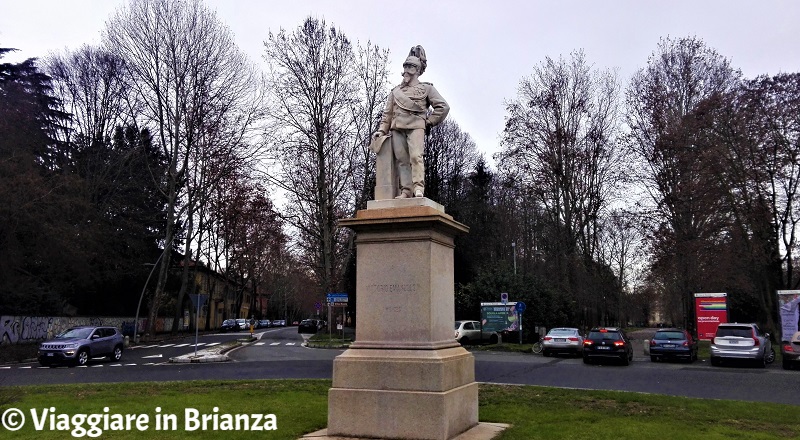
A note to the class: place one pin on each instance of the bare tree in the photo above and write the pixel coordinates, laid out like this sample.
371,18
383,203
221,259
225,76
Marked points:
754,132
197,92
90,82
450,155
561,146
373,83
313,146
685,197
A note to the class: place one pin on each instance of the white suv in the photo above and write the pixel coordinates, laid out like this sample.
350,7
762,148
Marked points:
741,341
471,332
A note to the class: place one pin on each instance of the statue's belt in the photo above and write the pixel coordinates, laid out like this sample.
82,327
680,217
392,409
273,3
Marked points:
407,103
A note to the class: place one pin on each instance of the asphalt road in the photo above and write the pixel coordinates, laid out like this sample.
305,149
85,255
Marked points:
278,354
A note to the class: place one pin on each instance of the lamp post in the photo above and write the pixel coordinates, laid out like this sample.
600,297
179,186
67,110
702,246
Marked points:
514,251
139,306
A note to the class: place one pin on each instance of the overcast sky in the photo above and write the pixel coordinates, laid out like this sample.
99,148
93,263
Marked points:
478,51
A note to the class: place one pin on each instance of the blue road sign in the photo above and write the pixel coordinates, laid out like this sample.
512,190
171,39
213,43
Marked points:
520,306
337,298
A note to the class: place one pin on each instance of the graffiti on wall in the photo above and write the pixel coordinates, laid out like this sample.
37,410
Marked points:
30,329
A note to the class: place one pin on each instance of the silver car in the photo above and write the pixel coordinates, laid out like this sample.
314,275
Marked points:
77,345
562,340
741,341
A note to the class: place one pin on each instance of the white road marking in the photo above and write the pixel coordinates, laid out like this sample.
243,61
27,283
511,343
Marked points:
212,344
153,356
275,343
181,345
260,343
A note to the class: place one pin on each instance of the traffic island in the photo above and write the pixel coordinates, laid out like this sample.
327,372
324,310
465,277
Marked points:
213,354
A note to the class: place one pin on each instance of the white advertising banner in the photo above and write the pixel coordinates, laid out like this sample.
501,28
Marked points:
788,301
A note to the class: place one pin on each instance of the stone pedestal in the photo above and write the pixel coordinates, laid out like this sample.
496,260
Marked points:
404,376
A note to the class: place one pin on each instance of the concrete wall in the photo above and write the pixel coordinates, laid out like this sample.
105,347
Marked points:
30,329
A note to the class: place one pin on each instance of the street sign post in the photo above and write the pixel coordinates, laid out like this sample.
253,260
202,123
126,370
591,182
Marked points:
520,307
335,299
198,299
504,298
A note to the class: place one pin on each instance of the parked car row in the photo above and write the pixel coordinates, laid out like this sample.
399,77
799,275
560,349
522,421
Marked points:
241,324
732,342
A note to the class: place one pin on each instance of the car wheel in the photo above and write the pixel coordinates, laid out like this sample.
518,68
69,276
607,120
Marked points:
787,365
653,358
626,360
715,361
770,357
586,360
493,339
47,364
82,358
117,355
464,340
546,353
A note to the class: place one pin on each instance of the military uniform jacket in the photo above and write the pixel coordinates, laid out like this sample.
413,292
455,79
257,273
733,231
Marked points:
407,107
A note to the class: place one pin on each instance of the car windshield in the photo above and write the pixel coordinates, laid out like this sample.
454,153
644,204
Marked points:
77,333
458,324
669,335
742,332
562,332
607,335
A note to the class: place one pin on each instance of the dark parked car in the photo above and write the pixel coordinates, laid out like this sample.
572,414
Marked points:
673,343
309,326
229,325
264,323
607,343
790,351
78,344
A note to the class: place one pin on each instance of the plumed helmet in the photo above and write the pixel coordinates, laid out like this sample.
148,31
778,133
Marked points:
417,56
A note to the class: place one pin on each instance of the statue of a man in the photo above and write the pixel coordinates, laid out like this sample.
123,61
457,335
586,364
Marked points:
411,110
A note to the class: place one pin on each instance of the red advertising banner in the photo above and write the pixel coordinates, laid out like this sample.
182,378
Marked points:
711,310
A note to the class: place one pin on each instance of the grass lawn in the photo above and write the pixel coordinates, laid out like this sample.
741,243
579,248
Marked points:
300,406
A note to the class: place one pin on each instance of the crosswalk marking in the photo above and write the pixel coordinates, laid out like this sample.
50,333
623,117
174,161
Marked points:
275,343
260,343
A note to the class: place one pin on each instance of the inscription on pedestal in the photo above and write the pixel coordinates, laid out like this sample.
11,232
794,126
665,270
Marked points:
393,288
